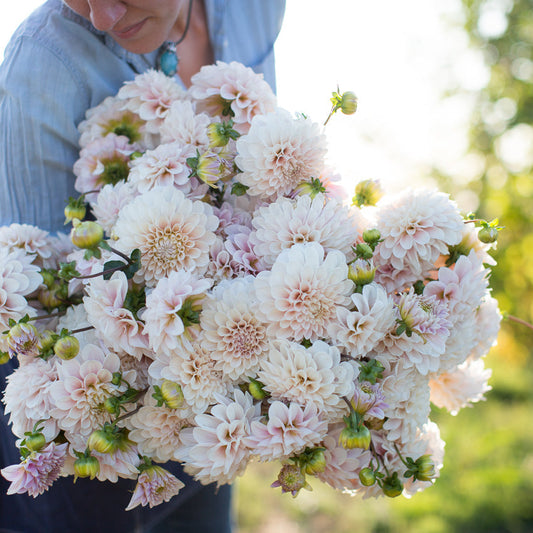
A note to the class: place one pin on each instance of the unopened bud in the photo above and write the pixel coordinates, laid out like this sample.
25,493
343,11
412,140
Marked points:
315,462
488,234
371,236
23,339
86,466
172,394
103,441
50,299
392,486
367,476
67,347
367,192
87,234
359,437
112,405
255,388
364,251
348,103
74,210
425,468
35,441
4,357
362,272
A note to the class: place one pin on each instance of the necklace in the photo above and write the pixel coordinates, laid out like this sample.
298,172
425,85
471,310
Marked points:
167,59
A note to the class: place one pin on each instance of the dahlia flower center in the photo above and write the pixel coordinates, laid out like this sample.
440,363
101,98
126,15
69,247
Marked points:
244,338
169,245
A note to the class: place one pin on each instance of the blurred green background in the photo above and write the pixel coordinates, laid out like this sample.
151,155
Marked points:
486,484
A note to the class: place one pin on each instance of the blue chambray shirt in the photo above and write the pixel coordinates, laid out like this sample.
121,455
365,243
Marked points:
57,66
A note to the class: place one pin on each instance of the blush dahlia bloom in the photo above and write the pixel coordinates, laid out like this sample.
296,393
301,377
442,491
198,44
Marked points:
164,166
116,325
157,430
315,375
279,153
82,386
233,334
172,233
104,161
27,398
462,387
231,89
417,226
37,472
33,240
183,124
217,449
357,331
287,431
285,222
165,322
150,95
300,296
111,199
155,485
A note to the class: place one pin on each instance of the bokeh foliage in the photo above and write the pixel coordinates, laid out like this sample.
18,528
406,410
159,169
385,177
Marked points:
486,484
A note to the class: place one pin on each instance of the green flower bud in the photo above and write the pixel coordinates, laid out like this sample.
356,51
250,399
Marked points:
367,192
255,388
367,476
392,486
73,211
35,441
48,278
364,251
425,468
4,357
49,299
86,466
87,234
488,234
103,441
362,272
67,347
359,437
315,462
348,103
172,394
112,405
371,236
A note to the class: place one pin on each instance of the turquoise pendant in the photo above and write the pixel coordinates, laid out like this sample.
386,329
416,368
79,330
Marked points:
168,59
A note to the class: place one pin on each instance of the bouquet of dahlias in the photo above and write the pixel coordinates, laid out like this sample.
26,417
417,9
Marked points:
228,304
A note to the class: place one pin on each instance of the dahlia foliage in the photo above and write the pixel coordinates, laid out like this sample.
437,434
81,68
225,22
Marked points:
227,305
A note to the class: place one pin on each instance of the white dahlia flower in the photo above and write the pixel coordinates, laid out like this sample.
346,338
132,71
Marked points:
488,319
286,222
151,95
82,386
233,334
31,239
111,199
358,331
462,387
287,431
416,226
315,375
216,450
172,233
300,296
171,313
231,89
279,153
183,124
27,398
164,166
117,326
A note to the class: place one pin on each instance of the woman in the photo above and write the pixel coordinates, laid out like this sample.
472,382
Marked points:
67,57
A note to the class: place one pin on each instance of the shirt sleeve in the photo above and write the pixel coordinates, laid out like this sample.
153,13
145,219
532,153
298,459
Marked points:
40,107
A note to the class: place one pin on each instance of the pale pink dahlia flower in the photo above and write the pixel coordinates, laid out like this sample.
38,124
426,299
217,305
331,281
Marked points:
111,117
27,398
111,199
285,222
216,449
361,326
104,161
82,386
343,465
231,89
116,325
287,431
166,165
150,95
183,124
172,233
166,320
461,387
155,485
315,375
300,296
157,430
416,226
488,319
233,334
279,153
34,241
37,472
